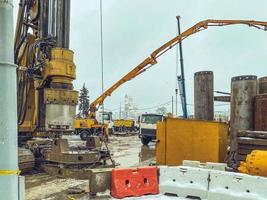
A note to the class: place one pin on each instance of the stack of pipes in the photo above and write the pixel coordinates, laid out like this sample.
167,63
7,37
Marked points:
248,130
248,121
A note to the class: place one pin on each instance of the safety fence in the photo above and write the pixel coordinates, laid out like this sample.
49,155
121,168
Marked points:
189,182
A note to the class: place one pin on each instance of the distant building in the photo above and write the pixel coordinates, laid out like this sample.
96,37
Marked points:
221,116
130,108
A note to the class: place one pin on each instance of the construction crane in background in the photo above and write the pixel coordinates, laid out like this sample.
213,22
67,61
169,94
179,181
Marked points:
181,78
152,60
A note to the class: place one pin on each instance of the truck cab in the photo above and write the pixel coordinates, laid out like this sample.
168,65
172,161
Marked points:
148,127
105,118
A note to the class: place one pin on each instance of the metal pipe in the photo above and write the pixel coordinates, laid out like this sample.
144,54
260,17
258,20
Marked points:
8,114
219,92
243,91
63,23
262,85
172,105
260,112
182,71
44,18
52,18
203,95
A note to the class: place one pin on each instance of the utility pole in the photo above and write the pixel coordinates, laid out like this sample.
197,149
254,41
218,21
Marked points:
176,102
102,55
172,105
11,185
182,78
120,110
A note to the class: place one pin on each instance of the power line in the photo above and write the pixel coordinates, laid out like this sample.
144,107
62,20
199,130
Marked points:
146,108
162,104
101,44
102,54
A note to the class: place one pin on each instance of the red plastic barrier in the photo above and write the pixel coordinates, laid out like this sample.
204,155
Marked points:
134,182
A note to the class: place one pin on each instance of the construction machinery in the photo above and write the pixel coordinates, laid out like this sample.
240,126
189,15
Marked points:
93,124
46,98
124,125
45,95
86,127
148,127
181,78
255,163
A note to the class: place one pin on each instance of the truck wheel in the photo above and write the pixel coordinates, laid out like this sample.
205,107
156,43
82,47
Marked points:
110,131
145,140
84,134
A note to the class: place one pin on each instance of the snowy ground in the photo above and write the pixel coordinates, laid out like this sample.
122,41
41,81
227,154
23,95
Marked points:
127,151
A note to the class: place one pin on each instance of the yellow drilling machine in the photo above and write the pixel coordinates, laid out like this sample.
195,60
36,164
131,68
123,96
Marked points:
46,98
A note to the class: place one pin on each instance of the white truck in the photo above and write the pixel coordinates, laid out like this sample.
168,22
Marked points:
148,127
105,118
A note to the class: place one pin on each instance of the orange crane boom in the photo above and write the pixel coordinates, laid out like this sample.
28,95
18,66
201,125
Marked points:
152,59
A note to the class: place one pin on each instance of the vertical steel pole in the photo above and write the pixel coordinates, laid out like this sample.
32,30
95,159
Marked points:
243,92
172,105
176,101
44,18
185,115
8,114
120,110
203,95
63,23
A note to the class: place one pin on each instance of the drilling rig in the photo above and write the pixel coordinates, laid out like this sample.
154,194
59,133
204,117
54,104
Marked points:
45,95
46,98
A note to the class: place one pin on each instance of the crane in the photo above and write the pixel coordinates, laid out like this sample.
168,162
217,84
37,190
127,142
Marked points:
152,59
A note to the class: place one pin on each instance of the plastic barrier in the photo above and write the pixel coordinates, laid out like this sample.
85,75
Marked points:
235,186
186,182
134,182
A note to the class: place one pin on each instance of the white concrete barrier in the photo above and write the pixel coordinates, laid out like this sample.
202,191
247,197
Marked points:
184,181
236,186
205,183
207,165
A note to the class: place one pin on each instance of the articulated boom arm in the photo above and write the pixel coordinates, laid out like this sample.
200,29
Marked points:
152,59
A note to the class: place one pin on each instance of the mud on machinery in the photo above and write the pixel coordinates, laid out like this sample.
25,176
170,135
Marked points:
46,98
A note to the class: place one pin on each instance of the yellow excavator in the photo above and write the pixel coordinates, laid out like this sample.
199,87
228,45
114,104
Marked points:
90,124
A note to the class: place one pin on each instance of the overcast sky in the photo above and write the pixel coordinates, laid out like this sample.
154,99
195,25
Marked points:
135,28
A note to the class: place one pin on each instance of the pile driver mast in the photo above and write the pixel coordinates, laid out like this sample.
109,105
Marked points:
46,99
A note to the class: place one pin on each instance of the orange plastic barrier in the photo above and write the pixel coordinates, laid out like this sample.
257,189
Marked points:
134,182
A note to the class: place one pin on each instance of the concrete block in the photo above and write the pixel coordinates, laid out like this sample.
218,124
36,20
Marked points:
93,142
191,163
236,186
216,166
75,173
100,180
207,165
184,181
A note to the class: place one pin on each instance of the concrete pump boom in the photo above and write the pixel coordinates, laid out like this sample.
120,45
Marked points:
152,59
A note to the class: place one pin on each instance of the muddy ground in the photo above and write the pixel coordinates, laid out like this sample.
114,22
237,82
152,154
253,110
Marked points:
127,151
